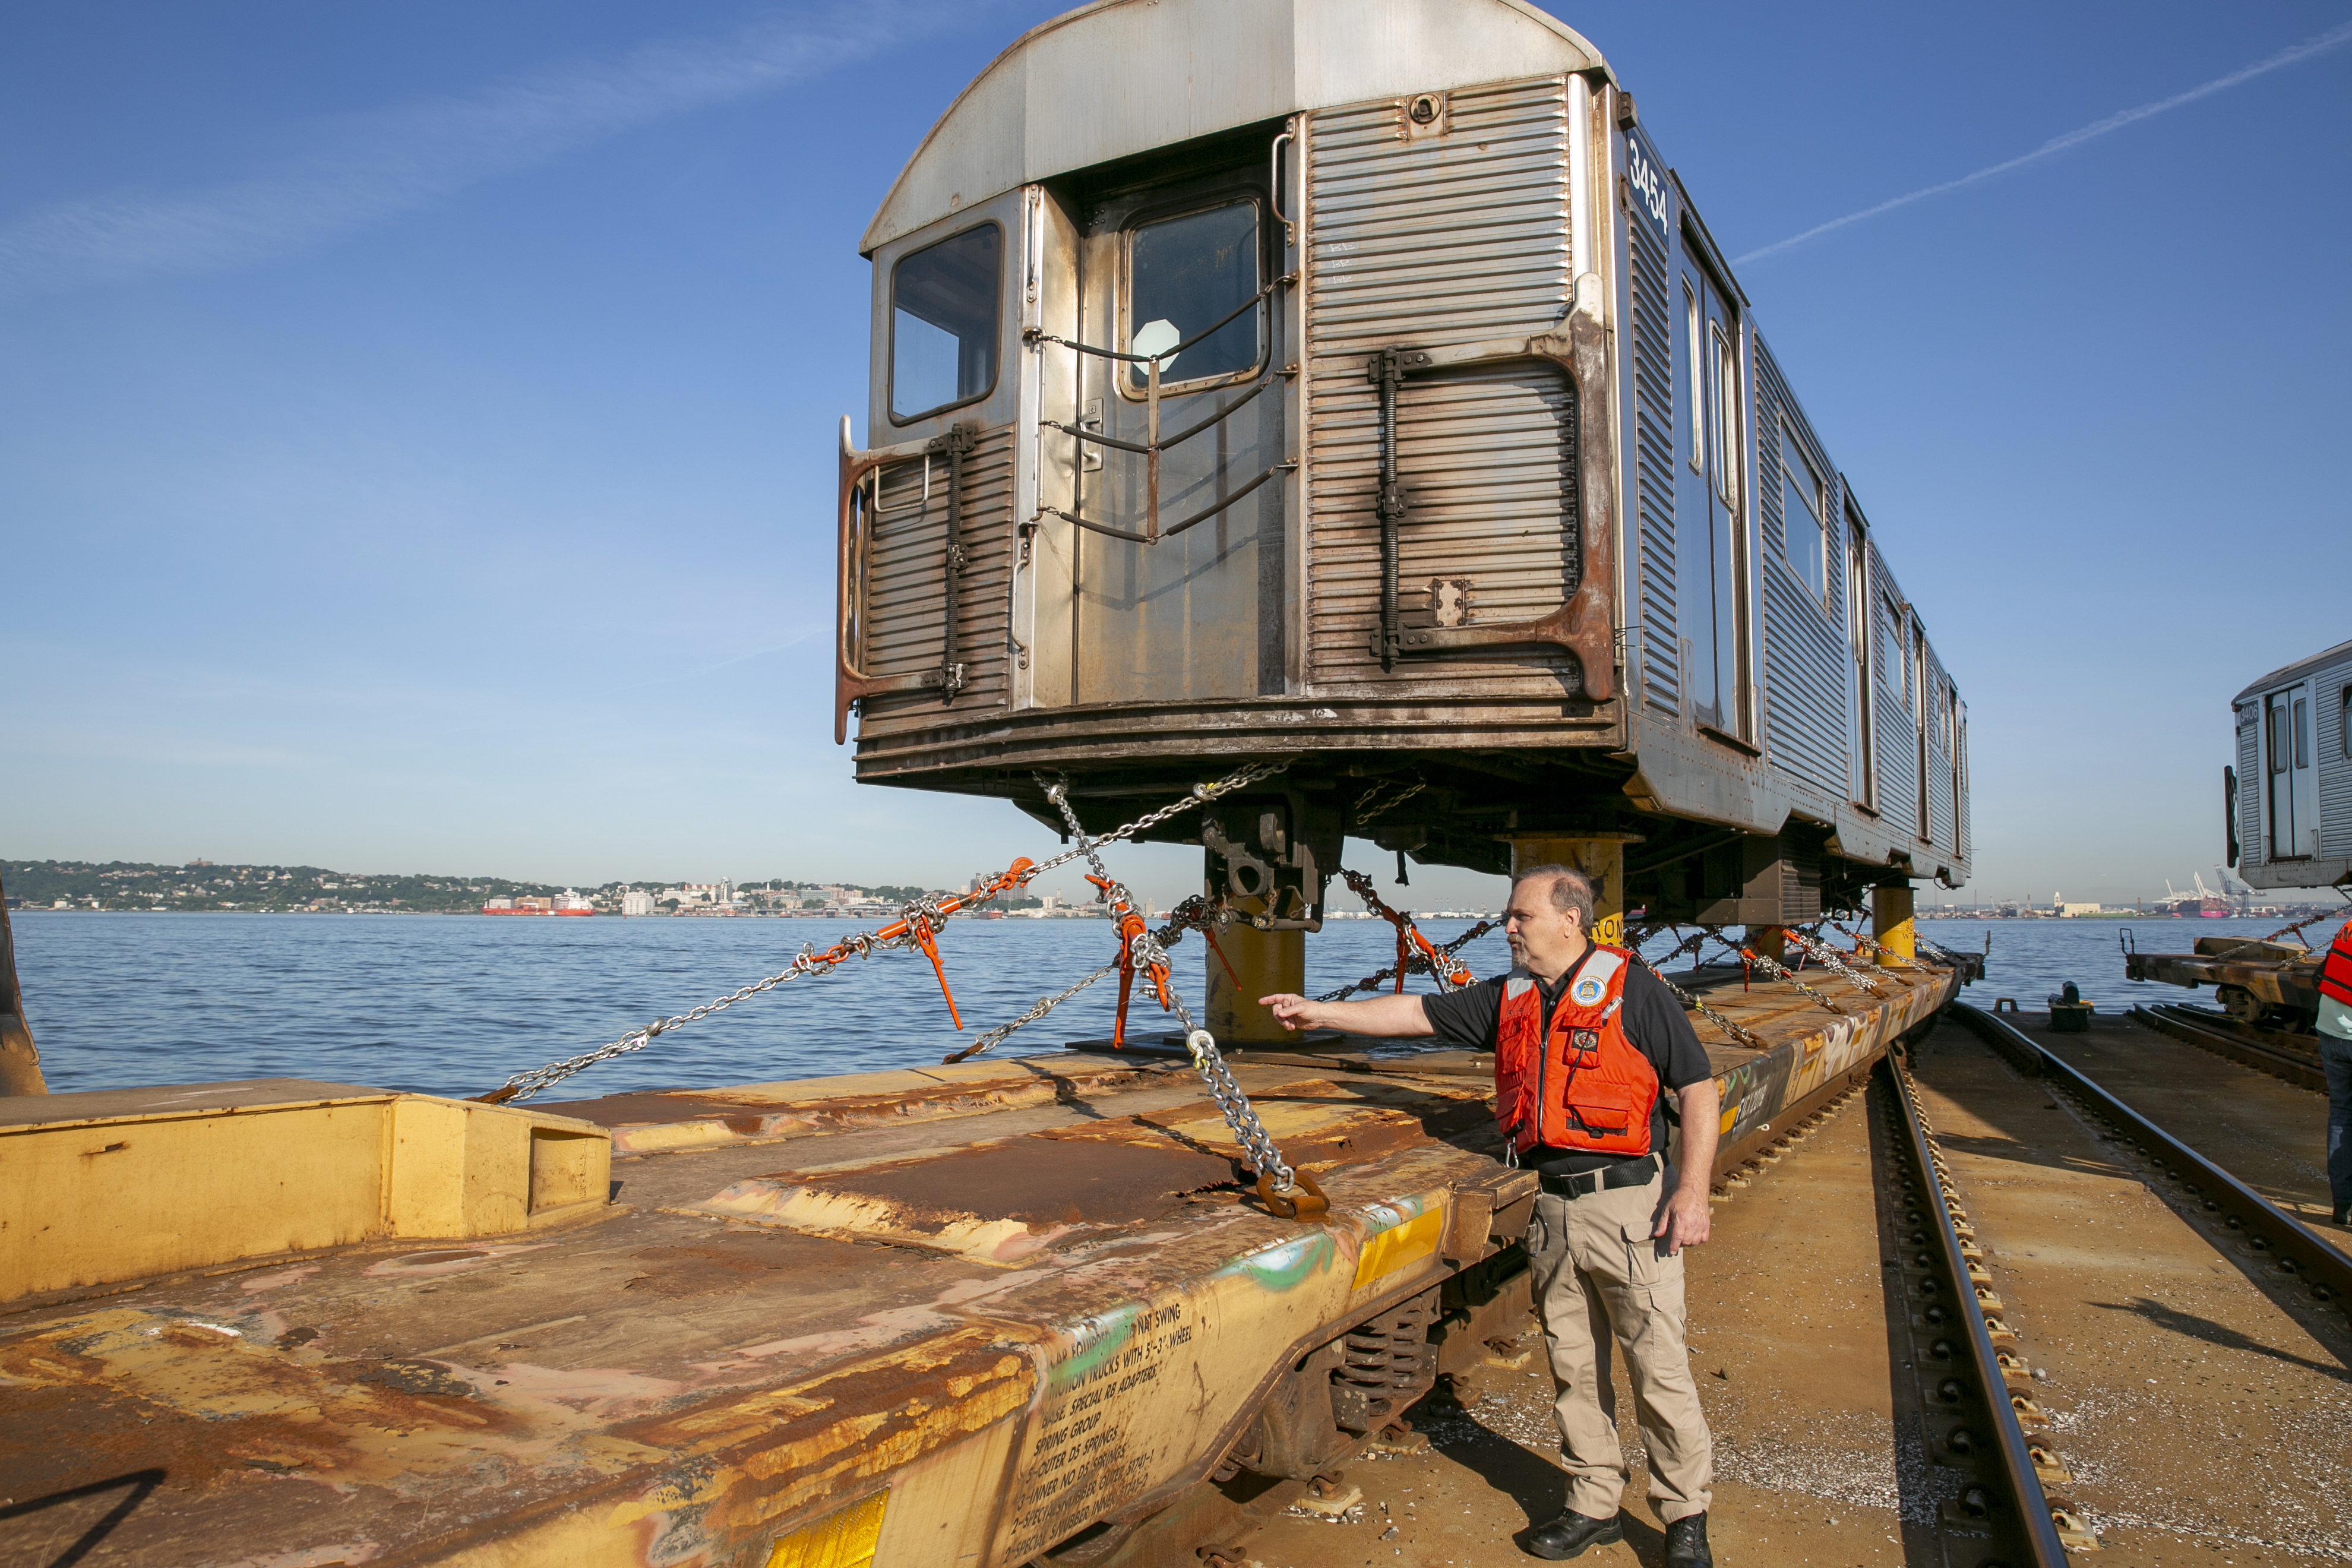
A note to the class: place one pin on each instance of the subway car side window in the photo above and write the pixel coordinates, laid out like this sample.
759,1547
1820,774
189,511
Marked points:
944,304
1184,273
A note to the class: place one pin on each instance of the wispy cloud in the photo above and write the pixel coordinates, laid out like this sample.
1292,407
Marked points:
2292,55
364,168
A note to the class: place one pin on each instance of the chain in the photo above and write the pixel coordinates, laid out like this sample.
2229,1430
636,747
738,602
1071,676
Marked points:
522,1086
1233,1103
1366,811
1415,966
1828,957
1037,1010
1203,793
916,928
1193,914
1732,1031
1779,970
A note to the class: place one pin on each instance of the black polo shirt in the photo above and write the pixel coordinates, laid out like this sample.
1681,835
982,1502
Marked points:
1653,1020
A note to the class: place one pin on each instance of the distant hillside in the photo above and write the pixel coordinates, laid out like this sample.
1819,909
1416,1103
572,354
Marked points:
199,885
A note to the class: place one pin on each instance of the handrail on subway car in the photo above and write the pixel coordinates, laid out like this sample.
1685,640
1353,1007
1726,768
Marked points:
1154,443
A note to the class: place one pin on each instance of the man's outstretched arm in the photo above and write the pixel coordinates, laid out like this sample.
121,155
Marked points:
1391,1017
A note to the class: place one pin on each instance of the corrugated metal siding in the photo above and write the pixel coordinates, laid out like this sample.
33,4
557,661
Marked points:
1940,758
1897,726
906,579
1651,323
2254,844
1804,647
1442,240
1804,683
2334,768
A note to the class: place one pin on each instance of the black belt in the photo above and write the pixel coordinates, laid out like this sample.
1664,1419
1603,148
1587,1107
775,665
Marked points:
1626,1173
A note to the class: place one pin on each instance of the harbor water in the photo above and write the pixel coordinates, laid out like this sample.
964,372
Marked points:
453,1004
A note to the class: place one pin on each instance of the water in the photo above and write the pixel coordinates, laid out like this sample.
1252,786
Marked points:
454,1005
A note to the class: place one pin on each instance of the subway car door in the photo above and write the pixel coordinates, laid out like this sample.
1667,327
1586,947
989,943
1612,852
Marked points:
1710,534
1197,612
2294,782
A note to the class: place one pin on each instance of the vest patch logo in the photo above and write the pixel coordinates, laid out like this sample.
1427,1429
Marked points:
1588,991
1586,1039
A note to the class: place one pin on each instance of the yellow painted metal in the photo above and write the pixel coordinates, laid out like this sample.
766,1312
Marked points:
1268,961
1599,856
1400,1247
1891,926
114,1185
844,1538
1770,942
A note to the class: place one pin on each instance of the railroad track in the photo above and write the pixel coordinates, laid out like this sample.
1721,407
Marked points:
2000,1319
2280,1054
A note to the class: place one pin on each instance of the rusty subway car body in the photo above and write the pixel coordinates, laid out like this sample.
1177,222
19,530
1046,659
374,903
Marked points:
1429,492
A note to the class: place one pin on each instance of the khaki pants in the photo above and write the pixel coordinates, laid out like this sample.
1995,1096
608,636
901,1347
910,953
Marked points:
1598,1272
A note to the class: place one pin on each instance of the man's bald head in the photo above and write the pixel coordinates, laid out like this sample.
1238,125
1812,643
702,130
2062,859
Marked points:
1566,887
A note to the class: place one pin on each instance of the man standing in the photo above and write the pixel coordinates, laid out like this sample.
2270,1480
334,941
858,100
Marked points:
1584,1040
2336,1063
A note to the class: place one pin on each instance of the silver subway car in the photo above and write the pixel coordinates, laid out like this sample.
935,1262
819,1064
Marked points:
2289,798
1350,381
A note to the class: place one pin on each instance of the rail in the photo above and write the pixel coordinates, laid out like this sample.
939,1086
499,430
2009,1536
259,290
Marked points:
2236,1042
2030,1518
1154,443
2292,1248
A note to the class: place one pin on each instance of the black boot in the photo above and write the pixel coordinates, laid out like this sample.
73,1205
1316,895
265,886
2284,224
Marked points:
1571,1532
1686,1543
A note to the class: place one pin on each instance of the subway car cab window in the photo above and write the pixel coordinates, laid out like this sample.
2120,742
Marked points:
1802,505
1185,273
943,317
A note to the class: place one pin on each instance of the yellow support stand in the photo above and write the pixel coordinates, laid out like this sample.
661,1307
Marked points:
1601,856
1891,926
1268,961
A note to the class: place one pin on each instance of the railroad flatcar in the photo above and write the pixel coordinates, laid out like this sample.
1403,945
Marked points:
1353,382
2288,799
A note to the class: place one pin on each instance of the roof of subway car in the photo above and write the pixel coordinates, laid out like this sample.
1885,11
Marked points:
1069,94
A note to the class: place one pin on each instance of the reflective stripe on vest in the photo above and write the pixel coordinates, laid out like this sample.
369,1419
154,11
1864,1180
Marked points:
1581,1084
2335,968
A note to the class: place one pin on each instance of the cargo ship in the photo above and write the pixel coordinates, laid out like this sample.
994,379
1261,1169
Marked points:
566,902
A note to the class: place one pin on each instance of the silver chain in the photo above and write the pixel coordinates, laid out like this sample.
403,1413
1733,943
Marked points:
1143,954
1365,811
522,1086
1830,960
1038,1009
1732,1031
1203,793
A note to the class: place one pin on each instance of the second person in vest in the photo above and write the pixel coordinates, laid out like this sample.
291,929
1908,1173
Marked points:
1587,1043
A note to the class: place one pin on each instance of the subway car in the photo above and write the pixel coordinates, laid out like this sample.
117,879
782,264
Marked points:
2289,798
1354,383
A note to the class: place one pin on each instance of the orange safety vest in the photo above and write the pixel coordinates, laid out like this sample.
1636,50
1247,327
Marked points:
1582,1085
2335,968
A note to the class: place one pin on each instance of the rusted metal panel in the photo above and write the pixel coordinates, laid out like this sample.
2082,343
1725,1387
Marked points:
1430,241
906,585
985,1319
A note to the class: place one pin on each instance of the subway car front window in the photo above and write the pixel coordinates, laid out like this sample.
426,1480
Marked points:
944,300
1185,273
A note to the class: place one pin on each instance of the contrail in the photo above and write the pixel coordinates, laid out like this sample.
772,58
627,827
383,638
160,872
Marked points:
2292,55
364,169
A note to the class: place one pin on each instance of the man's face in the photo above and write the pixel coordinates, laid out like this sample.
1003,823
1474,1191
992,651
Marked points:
1544,941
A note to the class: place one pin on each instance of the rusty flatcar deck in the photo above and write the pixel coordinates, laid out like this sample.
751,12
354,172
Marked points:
953,1315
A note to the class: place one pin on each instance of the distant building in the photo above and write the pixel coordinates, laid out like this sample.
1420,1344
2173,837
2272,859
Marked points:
636,901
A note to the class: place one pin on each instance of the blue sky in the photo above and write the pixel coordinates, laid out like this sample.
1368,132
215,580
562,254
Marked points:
417,420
